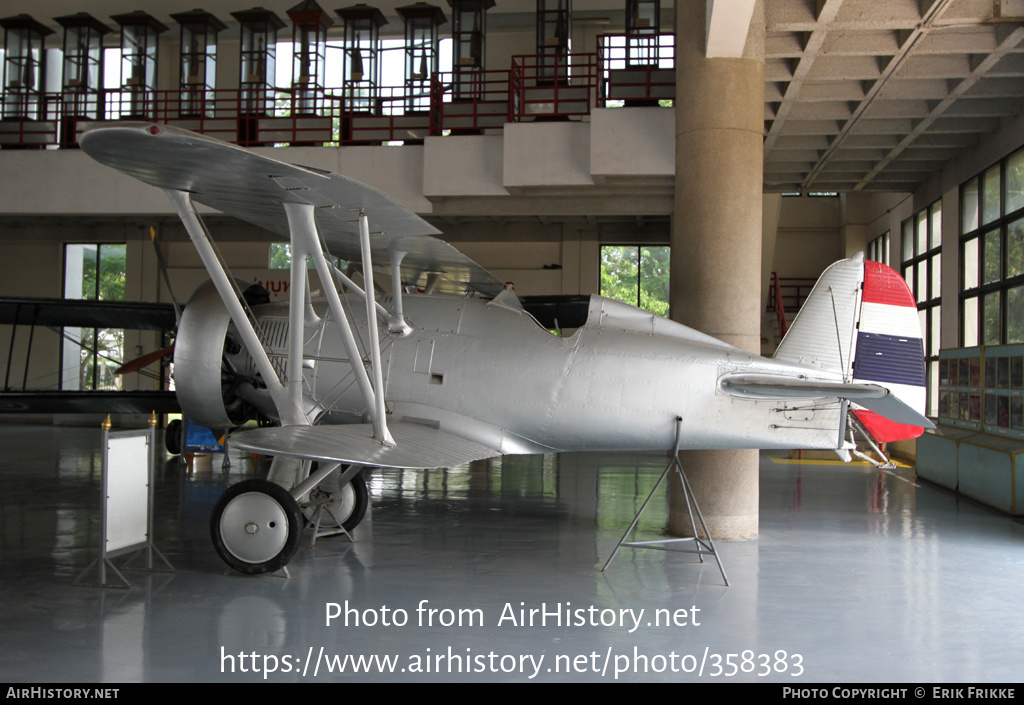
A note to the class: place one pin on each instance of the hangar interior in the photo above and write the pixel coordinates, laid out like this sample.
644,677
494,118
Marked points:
892,128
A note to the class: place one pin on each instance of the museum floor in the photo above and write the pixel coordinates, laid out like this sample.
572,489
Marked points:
858,575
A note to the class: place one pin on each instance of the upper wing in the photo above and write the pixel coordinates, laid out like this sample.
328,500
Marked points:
418,446
253,188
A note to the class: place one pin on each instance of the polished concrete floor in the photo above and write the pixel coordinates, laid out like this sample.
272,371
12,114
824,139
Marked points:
859,575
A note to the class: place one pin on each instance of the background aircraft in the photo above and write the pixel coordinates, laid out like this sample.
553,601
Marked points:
25,315
449,368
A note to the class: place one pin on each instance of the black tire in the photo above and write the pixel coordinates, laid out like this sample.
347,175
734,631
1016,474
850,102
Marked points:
255,527
359,500
172,437
358,483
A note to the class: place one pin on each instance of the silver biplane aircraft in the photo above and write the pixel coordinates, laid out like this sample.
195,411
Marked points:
448,368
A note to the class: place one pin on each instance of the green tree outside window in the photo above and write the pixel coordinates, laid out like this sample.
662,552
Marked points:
636,274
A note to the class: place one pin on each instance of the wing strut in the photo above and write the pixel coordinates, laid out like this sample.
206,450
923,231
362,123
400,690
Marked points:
357,290
291,413
396,322
305,241
380,423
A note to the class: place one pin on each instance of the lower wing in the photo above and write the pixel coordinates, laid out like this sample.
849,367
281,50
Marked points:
417,446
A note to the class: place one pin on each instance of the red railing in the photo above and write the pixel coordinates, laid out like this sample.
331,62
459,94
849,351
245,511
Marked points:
624,71
787,294
467,102
552,87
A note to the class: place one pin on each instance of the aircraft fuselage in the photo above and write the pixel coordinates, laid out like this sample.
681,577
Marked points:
490,373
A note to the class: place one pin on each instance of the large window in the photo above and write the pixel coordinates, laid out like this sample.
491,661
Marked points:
878,249
636,274
90,355
992,255
922,268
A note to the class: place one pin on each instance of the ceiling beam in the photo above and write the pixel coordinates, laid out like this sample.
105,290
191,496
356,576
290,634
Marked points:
931,9
826,15
1009,43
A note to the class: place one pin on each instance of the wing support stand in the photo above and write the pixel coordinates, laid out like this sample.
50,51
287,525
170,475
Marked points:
701,546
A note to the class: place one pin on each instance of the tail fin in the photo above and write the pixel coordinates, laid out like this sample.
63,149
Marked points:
860,320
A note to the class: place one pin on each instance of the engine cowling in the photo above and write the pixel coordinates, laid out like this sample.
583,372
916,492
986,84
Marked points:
206,386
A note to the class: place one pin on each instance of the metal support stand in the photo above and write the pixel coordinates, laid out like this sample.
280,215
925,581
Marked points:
701,546
313,522
856,426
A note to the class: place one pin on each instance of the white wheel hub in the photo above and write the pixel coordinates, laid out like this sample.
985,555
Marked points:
254,527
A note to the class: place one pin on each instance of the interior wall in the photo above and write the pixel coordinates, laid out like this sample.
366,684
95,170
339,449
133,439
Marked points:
807,240
30,269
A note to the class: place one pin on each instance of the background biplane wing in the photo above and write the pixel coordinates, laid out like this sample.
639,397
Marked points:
86,313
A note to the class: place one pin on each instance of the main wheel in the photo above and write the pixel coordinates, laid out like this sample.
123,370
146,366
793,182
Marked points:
255,527
173,437
345,506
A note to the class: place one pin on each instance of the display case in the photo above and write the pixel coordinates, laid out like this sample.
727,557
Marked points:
82,74
422,22
309,56
140,33
361,50
198,63
554,30
257,64
24,67
469,50
982,389
643,25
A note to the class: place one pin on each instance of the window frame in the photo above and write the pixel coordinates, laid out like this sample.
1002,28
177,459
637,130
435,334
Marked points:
977,287
639,271
95,295
878,249
921,252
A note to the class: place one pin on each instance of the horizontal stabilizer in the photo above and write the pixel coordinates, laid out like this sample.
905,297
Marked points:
871,396
418,446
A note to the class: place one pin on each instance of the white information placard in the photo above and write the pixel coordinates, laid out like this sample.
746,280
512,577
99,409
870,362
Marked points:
127,510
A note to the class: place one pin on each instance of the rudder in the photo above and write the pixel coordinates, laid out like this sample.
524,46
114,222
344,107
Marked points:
860,321
890,349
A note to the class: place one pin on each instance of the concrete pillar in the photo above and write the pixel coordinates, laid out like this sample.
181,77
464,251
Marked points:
716,240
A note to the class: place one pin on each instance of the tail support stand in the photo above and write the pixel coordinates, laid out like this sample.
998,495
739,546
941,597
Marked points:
701,546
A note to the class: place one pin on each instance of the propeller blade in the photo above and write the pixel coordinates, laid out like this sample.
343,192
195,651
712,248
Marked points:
147,359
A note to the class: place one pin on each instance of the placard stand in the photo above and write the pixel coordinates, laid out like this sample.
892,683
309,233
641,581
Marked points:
127,507
701,546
